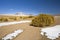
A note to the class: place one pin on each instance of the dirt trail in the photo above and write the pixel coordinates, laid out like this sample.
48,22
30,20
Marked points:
30,32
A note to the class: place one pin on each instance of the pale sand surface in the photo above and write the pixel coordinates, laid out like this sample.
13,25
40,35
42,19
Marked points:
30,32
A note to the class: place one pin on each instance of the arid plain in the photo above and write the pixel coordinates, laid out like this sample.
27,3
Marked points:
30,32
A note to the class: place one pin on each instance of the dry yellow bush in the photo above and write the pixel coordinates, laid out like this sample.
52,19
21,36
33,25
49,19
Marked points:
43,20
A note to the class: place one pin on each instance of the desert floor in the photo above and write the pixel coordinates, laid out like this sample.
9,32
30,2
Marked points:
30,32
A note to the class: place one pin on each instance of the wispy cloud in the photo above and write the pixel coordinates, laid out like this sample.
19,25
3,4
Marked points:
11,9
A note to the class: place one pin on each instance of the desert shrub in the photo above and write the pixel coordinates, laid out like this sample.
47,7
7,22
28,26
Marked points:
4,19
17,18
30,16
42,20
20,17
0,19
24,17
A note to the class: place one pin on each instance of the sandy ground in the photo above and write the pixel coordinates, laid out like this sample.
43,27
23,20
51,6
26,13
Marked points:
30,32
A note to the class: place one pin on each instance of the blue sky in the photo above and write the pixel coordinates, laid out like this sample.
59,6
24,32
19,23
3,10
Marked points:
30,6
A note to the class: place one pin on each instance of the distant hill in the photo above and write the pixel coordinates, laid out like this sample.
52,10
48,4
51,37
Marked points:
13,15
57,15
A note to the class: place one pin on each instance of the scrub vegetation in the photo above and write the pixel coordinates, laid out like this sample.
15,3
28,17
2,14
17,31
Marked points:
42,20
13,18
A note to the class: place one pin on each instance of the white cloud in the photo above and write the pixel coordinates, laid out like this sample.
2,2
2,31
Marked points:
11,9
